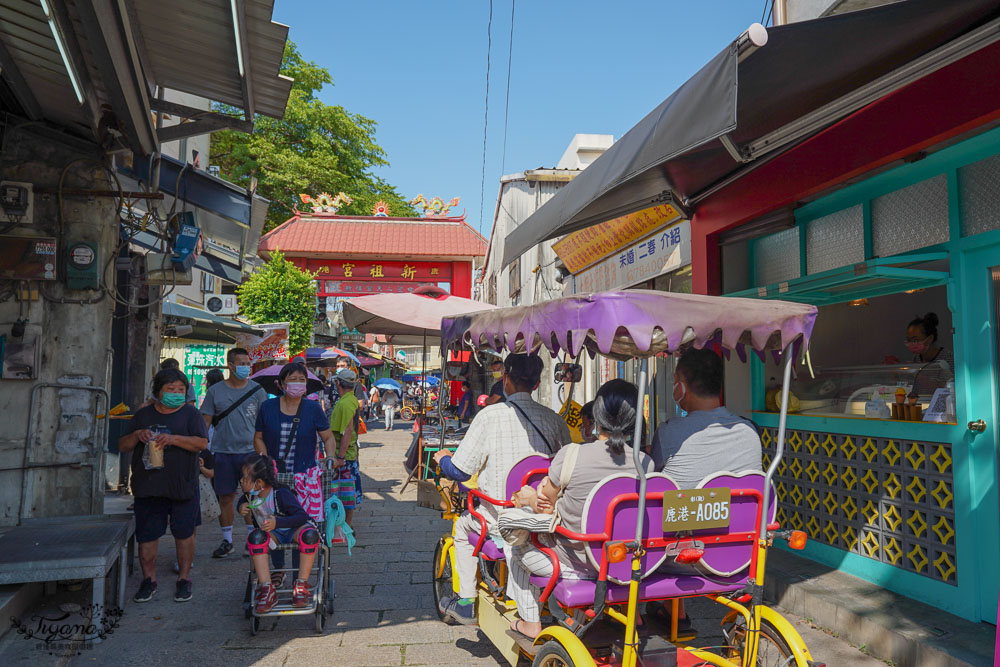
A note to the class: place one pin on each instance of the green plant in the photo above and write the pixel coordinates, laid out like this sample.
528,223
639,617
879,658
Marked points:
314,148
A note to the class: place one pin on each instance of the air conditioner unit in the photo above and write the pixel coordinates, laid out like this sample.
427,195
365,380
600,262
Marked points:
221,304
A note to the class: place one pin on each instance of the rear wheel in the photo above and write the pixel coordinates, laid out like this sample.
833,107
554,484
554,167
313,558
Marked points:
406,414
552,654
443,584
772,649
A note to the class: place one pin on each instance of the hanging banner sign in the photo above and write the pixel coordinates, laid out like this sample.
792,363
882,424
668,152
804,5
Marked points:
272,346
583,248
667,250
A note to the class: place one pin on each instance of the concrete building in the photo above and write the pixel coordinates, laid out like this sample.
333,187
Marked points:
535,276
79,309
793,11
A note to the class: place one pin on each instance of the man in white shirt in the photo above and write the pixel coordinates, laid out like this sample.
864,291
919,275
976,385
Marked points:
500,436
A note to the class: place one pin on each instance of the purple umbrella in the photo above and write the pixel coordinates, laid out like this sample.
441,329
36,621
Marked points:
268,379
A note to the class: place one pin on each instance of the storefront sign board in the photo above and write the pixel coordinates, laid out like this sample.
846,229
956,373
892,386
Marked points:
272,346
198,360
360,288
666,250
589,246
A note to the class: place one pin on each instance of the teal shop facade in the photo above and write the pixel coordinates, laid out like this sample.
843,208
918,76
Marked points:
883,216
909,506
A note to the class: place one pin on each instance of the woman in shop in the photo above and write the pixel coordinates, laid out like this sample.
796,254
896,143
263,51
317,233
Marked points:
938,363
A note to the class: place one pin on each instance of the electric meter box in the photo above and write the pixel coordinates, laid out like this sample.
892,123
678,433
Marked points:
83,269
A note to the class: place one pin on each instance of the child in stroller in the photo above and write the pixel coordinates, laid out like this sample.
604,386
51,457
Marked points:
278,519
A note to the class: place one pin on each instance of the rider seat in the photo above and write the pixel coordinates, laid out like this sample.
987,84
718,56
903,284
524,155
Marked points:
529,471
610,515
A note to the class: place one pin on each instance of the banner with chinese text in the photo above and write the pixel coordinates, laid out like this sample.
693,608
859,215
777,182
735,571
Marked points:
368,269
198,360
667,250
580,249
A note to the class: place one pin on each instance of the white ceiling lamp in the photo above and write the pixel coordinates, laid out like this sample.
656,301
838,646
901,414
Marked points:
236,34
57,35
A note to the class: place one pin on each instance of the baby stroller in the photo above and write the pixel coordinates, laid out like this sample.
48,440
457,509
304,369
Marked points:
323,589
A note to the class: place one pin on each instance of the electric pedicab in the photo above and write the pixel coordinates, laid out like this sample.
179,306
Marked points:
647,540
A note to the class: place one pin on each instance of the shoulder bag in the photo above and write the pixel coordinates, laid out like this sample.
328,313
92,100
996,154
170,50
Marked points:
237,403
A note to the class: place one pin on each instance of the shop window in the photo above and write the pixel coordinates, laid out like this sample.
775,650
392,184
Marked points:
911,218
979,196
735,267
776,257
859,349
491,295
514,274
678,282
835,240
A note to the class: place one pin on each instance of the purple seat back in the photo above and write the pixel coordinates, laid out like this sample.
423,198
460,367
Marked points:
516,476
624,517
729,559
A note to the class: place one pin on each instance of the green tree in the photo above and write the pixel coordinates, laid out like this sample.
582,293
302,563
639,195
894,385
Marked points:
281,292
315,148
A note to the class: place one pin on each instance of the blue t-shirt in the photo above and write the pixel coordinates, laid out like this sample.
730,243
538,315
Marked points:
277,426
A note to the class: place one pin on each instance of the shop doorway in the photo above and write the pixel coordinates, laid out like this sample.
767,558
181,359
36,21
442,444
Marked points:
979,319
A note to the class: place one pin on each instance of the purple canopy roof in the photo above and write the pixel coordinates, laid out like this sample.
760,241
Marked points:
634,323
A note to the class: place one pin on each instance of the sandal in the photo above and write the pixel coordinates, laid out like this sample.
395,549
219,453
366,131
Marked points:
514,626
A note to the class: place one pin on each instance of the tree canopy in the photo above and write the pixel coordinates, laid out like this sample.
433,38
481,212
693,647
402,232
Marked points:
281,292
315,148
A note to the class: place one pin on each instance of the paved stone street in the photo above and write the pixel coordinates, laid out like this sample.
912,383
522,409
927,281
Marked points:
384,611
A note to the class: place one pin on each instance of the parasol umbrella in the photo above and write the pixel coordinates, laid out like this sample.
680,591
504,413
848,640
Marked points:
268,379
389,383
329,354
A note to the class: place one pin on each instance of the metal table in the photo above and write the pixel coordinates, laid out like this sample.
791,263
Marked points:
66,548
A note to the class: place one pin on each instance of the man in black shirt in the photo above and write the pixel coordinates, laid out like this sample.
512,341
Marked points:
496,393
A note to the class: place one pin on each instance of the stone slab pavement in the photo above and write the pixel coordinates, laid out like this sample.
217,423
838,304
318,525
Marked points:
384,607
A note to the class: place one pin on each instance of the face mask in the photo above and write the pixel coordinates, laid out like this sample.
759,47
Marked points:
916,348
683,387
243,372
254,492
172,400
295,389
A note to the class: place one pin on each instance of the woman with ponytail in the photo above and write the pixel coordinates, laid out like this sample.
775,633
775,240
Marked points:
571,481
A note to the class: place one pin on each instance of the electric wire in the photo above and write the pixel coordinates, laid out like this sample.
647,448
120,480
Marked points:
763,15
486,116
506,106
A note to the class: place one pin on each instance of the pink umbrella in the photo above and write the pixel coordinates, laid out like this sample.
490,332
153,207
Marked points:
407,317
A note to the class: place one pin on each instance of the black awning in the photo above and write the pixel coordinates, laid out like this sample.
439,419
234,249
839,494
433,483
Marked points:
677,151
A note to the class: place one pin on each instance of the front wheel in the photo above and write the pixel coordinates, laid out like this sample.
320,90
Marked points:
552,654
442,585
406,414
772,649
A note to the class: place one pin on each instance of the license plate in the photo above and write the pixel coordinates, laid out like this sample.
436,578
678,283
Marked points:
696,509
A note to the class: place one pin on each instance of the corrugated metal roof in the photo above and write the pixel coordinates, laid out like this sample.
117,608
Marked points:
189,45
338,236
26,36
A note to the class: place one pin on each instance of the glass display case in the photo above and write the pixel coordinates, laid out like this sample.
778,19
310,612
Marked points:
844,391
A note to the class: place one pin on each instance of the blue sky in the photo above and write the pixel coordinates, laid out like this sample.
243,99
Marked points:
419,69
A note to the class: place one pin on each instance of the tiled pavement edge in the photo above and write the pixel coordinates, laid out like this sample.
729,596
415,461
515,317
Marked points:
384,611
